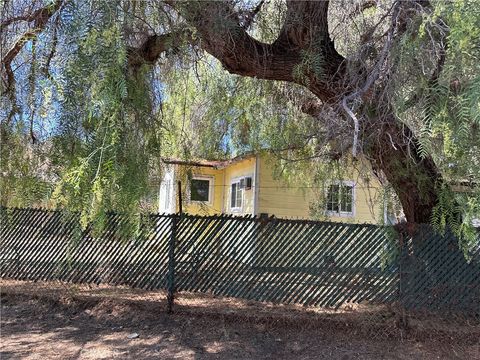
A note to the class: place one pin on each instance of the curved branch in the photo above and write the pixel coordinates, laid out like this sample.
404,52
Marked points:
40,18
151,49
305,30
37,16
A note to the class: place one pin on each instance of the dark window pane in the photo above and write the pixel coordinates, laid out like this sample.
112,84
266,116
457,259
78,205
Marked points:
346,200
199,190
332,198
233,196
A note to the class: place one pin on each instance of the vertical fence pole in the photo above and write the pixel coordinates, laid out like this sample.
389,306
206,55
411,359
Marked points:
171,253
179,197
171,266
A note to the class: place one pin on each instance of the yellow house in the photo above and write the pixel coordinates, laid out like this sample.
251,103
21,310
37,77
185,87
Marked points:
246,185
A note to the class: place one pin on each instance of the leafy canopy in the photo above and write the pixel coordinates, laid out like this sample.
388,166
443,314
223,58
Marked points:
88,131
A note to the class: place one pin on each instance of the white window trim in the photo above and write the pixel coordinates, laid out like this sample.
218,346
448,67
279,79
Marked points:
236,208
166,192
236,180
342,213
211,188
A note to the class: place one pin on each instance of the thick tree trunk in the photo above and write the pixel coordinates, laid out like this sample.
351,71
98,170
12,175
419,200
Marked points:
390,145
392,148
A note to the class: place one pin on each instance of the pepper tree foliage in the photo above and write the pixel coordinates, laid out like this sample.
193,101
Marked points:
92,121
447,113
103,126
91,109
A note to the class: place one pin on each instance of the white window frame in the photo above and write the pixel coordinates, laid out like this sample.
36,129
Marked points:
236,180
211,187
168,184
341,213
166,192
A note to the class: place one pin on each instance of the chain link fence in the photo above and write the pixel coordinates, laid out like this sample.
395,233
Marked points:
324,266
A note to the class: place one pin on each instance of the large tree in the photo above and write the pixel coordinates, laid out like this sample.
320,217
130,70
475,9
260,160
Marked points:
397,72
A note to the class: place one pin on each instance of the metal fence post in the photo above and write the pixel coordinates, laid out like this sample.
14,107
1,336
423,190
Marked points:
171,266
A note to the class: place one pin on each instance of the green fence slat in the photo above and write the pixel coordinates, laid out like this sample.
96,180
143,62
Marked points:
277,260
159,236
32,225
347,263
289,247
28,237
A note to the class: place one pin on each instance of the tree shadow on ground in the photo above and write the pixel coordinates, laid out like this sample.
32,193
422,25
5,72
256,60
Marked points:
95,328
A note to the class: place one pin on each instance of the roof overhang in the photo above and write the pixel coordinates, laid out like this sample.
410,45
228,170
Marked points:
217,164
196,163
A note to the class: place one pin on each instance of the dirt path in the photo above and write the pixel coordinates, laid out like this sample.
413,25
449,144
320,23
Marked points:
34,326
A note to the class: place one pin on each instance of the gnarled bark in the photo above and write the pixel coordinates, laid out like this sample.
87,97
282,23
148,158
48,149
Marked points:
305,30
392,148
390,145
220,30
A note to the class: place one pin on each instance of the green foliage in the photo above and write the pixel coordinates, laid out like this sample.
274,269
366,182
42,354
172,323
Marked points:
449,127
106,132
22,182
210,114
106,128
446,215
445,112
312,65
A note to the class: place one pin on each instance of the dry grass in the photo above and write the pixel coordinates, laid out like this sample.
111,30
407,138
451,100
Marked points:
379,320
223,325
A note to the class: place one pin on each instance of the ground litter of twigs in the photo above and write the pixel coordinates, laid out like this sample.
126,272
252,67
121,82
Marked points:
58,321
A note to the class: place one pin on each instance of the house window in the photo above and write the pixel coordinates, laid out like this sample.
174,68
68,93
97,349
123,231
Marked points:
238,187
167,193
201,189
236,195
340,199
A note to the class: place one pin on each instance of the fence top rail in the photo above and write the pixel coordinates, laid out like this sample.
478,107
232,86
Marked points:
246,217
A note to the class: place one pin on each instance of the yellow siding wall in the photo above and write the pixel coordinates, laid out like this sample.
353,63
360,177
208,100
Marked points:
289,201
240,169
367,200
222,187
199,208
275,197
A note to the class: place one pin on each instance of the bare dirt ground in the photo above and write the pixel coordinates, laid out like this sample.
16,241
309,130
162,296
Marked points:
53,321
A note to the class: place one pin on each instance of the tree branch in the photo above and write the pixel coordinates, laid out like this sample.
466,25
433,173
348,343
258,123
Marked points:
250,15
37,15
305,30
442,56
40,18
372,77
151,49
